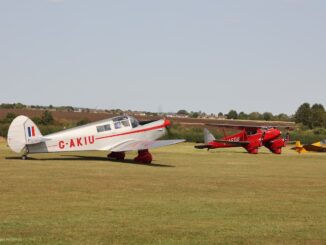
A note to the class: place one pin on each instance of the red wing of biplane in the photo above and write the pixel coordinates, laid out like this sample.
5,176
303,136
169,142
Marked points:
249,126
203,146
239,143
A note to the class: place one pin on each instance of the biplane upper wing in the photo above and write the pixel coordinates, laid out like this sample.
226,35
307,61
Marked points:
249,126
135,145
238,127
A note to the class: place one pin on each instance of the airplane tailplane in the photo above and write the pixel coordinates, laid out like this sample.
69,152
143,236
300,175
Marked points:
22,131
208,136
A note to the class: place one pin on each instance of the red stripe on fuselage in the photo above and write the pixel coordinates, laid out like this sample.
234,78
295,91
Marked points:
33,131
132,132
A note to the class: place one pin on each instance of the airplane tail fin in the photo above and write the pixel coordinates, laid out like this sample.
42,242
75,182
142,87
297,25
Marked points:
298,144
22,131
299,147
208,136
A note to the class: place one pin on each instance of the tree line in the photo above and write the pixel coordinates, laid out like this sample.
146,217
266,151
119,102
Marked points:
311,116
308,116
45,122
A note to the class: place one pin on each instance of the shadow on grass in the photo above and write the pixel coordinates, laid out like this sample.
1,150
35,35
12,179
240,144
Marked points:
91,158
240,152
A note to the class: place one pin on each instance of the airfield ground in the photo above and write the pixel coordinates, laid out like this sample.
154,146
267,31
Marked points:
186,196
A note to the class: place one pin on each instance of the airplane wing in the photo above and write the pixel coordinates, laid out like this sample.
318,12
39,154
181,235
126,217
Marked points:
202,146
249,126
313,147
135,145
237,127
240,143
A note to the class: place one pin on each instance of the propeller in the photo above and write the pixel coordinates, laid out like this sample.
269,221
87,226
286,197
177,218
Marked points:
262,138
286,138
168,127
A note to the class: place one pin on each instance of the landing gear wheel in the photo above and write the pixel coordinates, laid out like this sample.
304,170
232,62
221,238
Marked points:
119,156
144,156
24,157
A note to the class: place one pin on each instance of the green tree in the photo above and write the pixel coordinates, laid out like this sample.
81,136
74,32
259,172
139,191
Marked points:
303,115
47,118
9,117
282,117
19,106
318,115
37,120
267,116
255,116
194,114
232,114
183,112
242,115
7,106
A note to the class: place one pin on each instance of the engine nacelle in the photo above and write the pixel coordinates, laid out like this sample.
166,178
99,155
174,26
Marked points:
252,148
275,146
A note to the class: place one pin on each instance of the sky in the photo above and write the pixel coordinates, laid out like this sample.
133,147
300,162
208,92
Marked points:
162,56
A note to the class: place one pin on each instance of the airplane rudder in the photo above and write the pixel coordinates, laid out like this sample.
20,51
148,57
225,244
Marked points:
298,143
21,130
208,136
31,129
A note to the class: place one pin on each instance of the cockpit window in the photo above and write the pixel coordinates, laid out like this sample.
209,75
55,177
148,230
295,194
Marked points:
120,118
121,122
117,125
252,132
125,123
134,122
103,128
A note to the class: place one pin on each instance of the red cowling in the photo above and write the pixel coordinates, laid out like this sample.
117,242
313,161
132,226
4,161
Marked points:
120,156
252,148
277,151
275,146
253,151
144,157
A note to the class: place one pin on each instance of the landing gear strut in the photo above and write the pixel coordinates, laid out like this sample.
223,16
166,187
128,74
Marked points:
120,156
144,156
25,152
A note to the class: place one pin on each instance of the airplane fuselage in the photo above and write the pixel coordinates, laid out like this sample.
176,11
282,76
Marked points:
103,135
267,137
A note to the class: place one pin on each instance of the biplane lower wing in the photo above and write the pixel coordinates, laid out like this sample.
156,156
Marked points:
239,143
203,146
249,127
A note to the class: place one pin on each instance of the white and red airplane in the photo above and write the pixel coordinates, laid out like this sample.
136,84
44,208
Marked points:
116,135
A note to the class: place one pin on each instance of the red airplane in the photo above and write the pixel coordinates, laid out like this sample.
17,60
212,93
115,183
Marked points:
250,137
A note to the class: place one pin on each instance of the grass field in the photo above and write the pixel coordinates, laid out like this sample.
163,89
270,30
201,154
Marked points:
186,196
